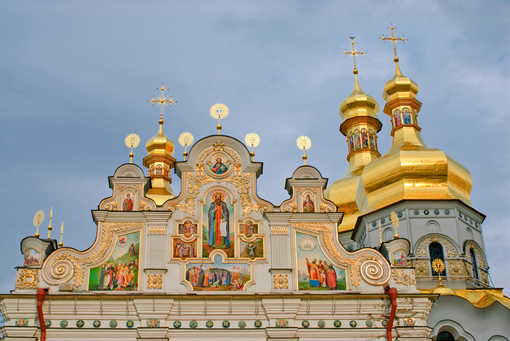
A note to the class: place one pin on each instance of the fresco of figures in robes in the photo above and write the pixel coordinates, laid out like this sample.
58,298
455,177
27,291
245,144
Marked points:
315,270
218,276
253,249
120,271
218,223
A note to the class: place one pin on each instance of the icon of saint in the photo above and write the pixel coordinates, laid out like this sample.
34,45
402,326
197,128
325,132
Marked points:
219,225
219,167
128,203
308,206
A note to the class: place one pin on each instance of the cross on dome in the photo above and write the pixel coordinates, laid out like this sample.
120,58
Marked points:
394,41
354,53
162,101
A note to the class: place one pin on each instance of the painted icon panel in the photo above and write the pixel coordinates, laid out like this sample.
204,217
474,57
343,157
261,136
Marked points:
217,227
188,228
218,276
184,249
314,272
399,258
249,228
308,204
128,202
32,257
120,271
254,249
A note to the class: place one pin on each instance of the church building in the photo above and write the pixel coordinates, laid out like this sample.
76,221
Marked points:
391,251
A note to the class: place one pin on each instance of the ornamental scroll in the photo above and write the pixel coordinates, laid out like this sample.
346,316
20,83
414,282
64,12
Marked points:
372,266
66,264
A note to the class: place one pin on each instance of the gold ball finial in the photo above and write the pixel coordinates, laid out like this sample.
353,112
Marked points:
219,111
304,143
38,219
132,141
185,140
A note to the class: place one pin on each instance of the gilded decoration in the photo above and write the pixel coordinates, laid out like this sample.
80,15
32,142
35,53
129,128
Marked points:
21,322
370,264
28,279
279,230
471,245
281,281
291,205
155,282
485,277
236,178
456,268
111,206
401,277
157,229
423,246
64,264
422,268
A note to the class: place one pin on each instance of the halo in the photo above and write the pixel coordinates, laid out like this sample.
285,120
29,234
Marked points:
185,139
38,218
304,142
219,111
252,140
218,191
132,140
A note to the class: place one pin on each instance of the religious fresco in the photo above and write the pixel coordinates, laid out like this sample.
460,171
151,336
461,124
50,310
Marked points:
249,228
32,257
399,258
188,228
128,202
217,228
219,167
120,271
218,276
184,249
308,202
253,249
406,116
314,270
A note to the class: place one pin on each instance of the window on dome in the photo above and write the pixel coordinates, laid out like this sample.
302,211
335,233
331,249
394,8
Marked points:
445,336
473,263
436,252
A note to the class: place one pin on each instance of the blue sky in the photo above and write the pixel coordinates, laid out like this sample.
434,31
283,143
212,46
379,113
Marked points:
75,77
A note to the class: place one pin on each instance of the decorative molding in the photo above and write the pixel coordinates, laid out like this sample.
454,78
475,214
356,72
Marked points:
422,268
28,279
157,229
456,268
369,263
422,248
154,281
281,281
64,264
112,206
401,277
279,230
481,259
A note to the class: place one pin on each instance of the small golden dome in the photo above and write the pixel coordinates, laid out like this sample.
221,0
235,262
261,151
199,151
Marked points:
441,289
410,170
160,143
358,103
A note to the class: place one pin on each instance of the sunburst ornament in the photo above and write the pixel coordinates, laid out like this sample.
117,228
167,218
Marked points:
438,266
132,141
38,219
219,111
395,221
304,143
252,140
185,140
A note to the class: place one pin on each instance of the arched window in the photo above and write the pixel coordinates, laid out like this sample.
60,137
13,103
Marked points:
473,263
436,252
445,336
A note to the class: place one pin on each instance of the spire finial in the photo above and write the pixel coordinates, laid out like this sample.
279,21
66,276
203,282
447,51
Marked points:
354,53
49,226
185,139
219,111
61,235
304,143
38,219
162,102
132,141
252,140
394,41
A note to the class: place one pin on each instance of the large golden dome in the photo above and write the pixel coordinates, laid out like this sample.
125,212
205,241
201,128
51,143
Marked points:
410,170
359,114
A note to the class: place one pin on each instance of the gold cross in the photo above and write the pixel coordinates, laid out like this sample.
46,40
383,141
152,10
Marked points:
161,101
393,40
354,52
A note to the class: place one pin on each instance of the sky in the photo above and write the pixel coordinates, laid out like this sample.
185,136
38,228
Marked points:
75,77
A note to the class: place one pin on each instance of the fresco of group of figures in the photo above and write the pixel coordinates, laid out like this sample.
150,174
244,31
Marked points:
217,227
120,271
159,170
218,276
405,116
315,271
364,139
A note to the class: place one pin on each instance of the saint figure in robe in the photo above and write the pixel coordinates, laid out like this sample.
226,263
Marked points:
219,225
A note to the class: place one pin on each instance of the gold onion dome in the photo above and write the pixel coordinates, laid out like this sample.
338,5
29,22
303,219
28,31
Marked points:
410,170
360,124
160,144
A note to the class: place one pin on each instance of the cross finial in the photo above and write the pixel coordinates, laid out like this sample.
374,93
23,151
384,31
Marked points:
161,101
394,41
354,53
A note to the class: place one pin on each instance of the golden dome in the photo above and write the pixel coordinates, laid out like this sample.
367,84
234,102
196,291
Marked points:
441,289
160,144
410,170
359,114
